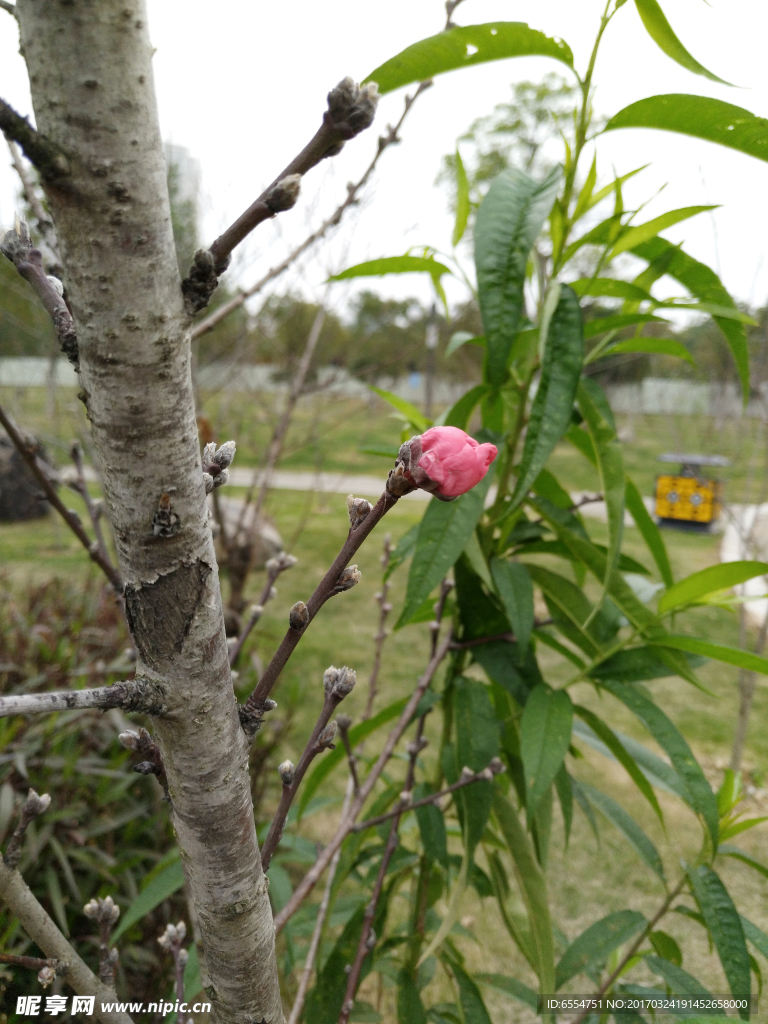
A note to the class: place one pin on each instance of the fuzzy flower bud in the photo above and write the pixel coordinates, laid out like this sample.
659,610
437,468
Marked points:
339,682
130,740
46,976
103,911
285,771
285,193
353,105
298,617
327,736
173,935
215,463
343,722
349,578
445,461
358,509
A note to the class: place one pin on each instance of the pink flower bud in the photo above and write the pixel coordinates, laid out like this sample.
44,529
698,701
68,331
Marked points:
443,460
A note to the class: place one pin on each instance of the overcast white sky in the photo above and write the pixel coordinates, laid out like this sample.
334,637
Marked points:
242,85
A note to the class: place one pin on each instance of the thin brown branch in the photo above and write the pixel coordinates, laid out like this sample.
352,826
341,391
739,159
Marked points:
344,722
467,779
274,567
381,635
42,219
136,695
252,712
32,808
322,913
94,510
351,110
633,948
32,963
28,452
11,8
28,260
338,683
384,142
315,872
141,743
49,159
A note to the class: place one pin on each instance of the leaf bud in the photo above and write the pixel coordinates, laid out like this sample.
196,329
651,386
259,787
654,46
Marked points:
286,771
496,765
344,722
46,976
327,736
467,773
349,578
358,509
298,617
285,193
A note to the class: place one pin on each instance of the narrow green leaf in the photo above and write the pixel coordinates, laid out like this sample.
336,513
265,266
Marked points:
510,987
734,851
565,796
533,887
545,734
460,413
670,740
628,827
643,232
280,888
414,417
611,288
462,202
596,943
649,531
602,324
703,282
461,338
474,555
403,551
431,827
654,346
160,888
707,581
394,265
725,927
666,947
570,601
513,584
463,47
410,1009
445,529
720,652
551,408
325,765
625,759
756,936
610,465
680,982
508,223
700,116
477,743
661,33
472,1005
583,203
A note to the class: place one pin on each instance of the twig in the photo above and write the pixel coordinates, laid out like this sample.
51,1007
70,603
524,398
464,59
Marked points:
384,142
44,222
338,683
11,8
384,609
142,743
32,807
252,712
104,912
322,912
467,778
635,946
344,722
30,963
274,567
315,872
94,512
367,935
172,941
49,159
137,695
28,260
29,453
351,110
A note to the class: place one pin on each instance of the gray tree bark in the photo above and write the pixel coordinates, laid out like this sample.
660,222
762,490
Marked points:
90,71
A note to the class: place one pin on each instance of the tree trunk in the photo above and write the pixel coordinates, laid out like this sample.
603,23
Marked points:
90,70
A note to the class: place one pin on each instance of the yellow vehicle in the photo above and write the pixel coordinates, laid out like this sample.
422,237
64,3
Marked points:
689,499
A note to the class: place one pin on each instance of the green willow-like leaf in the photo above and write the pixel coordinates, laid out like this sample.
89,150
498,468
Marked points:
431,827
756,936
734,851
611,288
533,887
477,743
545,735
725,928
661,33
510,987
472,1006
513,585
463,206
461,338
666,947
707,581
463,47
625,759
410,1009
596,943
412,414
406,264
508,222
655,346
610,465
443,533
680,982
644,232
703,282
565,796
719,652
699,116
602,324
669,739
649,531
459,414
628,827
564,596
551,408
159,888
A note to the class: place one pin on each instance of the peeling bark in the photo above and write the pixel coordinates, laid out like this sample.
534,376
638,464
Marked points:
91,79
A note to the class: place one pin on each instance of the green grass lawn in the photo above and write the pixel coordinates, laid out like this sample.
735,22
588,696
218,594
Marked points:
590,879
